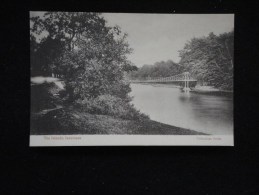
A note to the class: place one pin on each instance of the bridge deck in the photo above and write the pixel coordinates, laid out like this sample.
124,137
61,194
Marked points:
155,81
184,77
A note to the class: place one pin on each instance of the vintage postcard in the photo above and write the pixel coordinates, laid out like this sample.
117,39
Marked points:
115,79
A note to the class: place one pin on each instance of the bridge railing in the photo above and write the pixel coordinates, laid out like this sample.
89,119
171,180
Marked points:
180,77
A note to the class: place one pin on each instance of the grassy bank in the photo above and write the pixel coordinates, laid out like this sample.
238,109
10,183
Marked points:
102,115
71,121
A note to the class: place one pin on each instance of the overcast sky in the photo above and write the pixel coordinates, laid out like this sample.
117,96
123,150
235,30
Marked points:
157,37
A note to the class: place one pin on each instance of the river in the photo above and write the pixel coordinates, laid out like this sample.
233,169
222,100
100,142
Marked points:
210,114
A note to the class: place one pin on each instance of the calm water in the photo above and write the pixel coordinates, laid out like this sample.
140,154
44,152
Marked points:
205,113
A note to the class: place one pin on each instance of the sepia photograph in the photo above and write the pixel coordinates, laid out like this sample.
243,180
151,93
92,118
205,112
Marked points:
104,79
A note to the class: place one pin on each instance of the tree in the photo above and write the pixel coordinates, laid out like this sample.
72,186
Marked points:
210,59
43,55
93,57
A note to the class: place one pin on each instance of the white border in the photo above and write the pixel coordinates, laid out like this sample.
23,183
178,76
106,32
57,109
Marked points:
131,140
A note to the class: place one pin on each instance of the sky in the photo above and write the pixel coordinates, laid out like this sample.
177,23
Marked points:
159,37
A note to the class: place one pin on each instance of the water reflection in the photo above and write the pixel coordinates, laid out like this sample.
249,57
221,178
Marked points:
206,113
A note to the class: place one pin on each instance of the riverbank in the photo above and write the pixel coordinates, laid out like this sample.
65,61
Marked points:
49,116
209,90
70,121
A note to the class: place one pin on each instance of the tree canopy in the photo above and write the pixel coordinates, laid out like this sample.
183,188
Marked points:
210,59
90,55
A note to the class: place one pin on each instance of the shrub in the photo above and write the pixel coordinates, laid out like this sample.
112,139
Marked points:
120,89
45,96
111,105
42,96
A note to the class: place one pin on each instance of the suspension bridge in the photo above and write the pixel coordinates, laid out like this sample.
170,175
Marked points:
184,80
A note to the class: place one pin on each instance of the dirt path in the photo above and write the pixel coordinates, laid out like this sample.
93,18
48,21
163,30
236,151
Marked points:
48,110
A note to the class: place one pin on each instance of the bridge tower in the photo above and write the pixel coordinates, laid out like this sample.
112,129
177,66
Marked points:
186,81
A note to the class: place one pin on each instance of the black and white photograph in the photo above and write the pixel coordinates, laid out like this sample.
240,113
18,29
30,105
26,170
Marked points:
131,79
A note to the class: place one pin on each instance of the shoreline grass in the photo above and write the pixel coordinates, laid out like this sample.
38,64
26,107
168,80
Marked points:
63,121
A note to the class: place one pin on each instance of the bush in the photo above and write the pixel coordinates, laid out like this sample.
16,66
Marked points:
121,89
111,105
42,96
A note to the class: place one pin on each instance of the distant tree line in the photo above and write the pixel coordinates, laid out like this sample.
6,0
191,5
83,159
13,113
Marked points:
159,69
209,59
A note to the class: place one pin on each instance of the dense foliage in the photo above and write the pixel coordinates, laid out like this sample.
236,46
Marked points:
210,59
91,56
111,105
